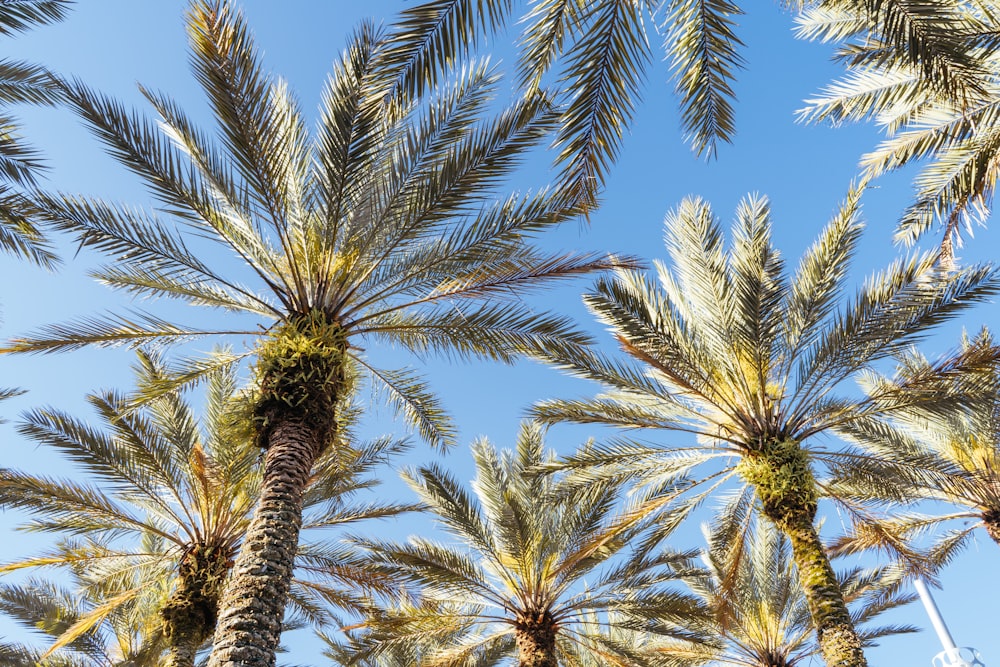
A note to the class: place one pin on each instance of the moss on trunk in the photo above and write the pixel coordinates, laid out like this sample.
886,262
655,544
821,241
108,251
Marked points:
190,613
302,374
782,476
535,633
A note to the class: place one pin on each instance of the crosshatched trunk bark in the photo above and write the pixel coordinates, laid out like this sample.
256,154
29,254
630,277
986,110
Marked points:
181,655
254,600
991,522
782,476
536,641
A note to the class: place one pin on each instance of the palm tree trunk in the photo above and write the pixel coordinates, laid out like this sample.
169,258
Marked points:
782,476
190,614
181,655
838,640
253,603
303,372
535,634
991,522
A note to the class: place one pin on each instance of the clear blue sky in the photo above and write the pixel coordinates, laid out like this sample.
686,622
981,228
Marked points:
112,44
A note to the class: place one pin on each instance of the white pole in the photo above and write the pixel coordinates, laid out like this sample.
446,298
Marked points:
939,627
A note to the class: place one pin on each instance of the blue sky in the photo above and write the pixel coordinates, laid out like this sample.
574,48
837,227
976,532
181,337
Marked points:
804,170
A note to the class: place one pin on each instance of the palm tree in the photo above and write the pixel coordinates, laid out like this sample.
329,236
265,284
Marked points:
23,82
536,574
957,138
921,455
163,537
600,51
729,348
759,616
384,228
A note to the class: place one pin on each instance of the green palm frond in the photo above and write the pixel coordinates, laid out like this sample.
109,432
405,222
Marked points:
950,457
752,361
524,545
704,50
20,82
926,79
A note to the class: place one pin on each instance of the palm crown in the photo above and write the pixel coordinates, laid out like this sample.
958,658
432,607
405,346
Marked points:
751,361
921,455
537,574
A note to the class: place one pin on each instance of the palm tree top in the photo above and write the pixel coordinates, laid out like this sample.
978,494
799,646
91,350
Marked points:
387,225
528,563
724,343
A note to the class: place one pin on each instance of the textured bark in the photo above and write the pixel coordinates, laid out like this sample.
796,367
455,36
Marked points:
190,614
536,640
254,600
181,655
782,476
838,641
991,522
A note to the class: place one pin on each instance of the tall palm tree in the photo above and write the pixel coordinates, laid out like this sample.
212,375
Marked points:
171,504
23,82
601,53
536,573
957,139
729,348
921,455
385,227
759,616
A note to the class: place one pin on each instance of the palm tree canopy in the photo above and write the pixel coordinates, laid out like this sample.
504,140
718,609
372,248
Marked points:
384,225
921,455
955,136
735,351
168,490
601,52
528,559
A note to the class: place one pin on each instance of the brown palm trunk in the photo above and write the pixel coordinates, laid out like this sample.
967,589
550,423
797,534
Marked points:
190,613
254,600
838,640
302,369
991,522
784,483
536,645
181,655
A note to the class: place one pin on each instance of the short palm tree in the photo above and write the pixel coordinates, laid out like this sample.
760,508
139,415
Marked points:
759,616
728,347
535,574
383,228
170,508
957,139
23,82
921,455
601,52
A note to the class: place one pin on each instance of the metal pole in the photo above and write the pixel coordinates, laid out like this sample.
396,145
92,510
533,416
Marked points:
939,627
